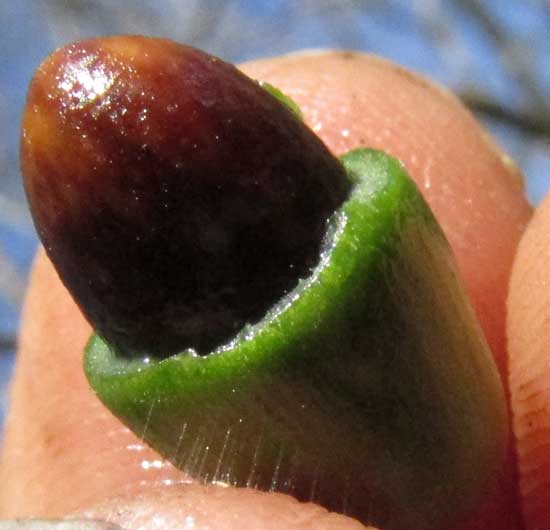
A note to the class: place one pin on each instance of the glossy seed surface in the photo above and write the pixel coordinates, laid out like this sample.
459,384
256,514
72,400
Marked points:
176,198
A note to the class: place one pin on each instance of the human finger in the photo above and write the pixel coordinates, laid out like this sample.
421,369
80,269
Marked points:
529,347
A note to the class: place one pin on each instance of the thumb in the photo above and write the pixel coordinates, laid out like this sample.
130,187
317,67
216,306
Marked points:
529,346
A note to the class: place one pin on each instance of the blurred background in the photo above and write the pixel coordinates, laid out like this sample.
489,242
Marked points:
495,54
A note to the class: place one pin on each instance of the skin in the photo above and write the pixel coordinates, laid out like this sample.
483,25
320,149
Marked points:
65,454
529,368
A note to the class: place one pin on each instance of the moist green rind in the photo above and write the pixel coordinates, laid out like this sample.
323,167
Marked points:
288,102
369,390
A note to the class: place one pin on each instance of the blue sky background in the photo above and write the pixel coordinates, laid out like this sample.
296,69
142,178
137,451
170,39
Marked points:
494,53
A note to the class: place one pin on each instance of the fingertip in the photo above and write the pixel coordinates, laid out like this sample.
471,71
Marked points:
529,350
223,508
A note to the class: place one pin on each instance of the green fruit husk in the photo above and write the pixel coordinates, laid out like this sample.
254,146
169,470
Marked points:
369,389
279,95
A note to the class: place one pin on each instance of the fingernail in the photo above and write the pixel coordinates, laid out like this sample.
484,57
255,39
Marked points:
59,524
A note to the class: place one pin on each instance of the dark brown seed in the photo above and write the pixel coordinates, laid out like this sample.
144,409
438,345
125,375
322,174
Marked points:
176,198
